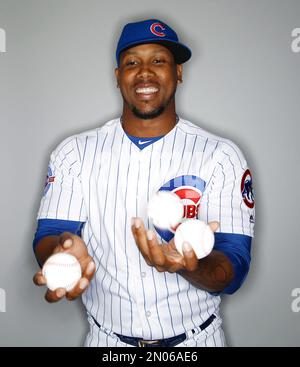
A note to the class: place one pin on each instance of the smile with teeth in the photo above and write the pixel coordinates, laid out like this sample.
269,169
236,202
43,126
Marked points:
147,90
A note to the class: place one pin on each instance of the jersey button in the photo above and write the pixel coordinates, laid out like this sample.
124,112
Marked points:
148,313
144,274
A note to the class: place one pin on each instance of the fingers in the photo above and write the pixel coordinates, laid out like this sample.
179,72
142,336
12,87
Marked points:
190,258
50,296
163,259
156,254
56,295
90,269
39,279
75,246
84,282
214,225
80,287
148,245
139,234
59,293
66,240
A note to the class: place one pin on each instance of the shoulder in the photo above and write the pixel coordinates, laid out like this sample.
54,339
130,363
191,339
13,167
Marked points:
90,136
224,149
81,141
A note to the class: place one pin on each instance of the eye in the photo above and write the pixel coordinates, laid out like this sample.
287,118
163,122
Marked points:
158,61
131,62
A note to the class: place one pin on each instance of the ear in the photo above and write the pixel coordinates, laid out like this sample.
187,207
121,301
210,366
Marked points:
179,73
117,76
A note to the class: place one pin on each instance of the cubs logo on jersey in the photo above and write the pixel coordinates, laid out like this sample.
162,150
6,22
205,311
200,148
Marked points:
247,189
190,190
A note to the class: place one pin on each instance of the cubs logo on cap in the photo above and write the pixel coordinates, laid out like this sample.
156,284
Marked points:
190,189
152,31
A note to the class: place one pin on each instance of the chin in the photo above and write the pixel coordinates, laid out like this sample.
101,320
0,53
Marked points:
147,115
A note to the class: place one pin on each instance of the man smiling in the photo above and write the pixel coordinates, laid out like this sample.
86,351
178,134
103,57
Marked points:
137,288
148,76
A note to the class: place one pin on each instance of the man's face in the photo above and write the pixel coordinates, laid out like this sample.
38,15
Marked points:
148,77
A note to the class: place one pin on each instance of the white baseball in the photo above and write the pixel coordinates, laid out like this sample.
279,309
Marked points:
62,271
165,209
198,234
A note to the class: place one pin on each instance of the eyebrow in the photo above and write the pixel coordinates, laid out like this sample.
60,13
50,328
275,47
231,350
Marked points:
130,52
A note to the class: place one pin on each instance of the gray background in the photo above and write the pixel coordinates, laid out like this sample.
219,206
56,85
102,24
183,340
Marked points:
243,82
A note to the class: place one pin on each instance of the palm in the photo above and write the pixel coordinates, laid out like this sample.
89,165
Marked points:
78,250
171,252
173,259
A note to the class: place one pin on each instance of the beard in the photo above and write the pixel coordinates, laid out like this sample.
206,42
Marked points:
150,114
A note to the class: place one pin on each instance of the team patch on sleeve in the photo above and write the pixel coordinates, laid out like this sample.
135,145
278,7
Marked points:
49,180
247,189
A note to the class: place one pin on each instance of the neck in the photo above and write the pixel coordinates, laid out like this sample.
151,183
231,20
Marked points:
141,128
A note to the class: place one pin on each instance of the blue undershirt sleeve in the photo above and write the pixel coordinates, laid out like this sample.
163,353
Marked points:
237,248
55,227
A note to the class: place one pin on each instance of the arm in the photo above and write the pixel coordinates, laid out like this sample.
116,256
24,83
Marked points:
213,273
61,216
230,267
223,271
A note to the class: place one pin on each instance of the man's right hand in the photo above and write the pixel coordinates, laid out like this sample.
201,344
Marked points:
74,245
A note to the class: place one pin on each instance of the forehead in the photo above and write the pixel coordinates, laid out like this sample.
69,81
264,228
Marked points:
146,49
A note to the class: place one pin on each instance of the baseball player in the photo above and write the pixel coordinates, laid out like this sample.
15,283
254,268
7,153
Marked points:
137,289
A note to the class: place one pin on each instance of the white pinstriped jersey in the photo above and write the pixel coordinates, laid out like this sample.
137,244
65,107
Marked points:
103,179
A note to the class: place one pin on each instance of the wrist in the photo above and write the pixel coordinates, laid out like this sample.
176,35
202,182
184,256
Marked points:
45,248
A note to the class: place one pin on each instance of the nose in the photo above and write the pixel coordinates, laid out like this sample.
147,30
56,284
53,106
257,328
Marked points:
145,71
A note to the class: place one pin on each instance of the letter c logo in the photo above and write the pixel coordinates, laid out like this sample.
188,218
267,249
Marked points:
154,30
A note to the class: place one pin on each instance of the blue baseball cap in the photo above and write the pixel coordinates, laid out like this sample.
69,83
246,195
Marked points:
152,31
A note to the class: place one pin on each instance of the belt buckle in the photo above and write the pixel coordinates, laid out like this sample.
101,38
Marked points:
144,343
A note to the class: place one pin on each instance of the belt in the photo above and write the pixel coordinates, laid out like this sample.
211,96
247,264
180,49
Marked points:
169,342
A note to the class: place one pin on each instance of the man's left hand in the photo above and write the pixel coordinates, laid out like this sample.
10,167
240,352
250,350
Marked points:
164,257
